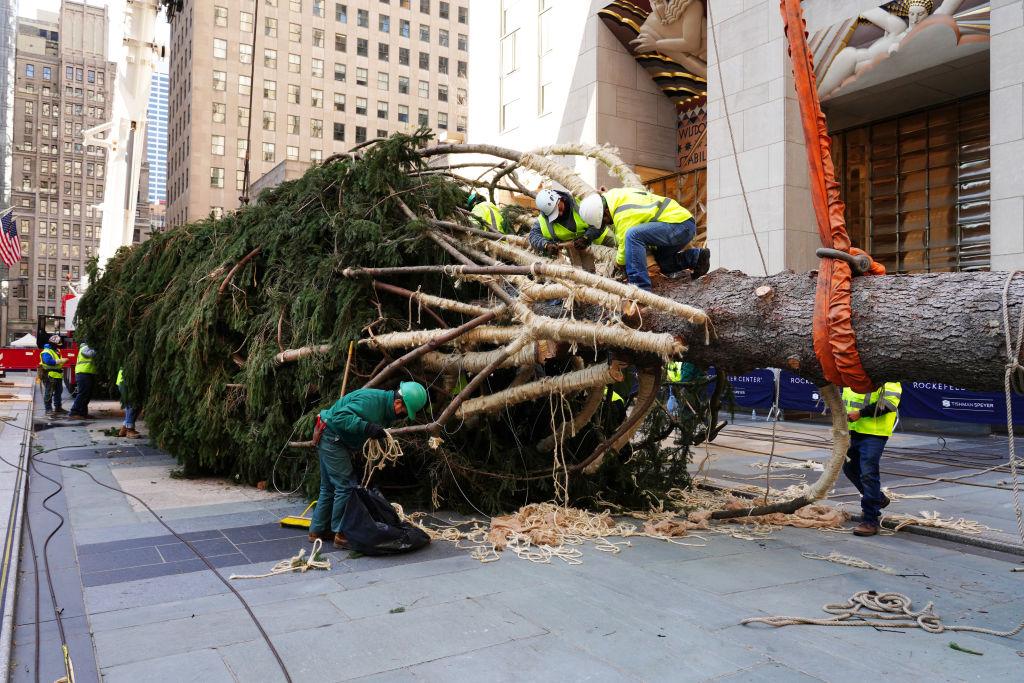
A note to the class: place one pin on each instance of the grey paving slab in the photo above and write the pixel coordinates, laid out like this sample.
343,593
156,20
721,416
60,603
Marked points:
67,585
129,594
212,547
51,664
364,573
176,636
772,672
383,643
541,658
298,614
120,559
252,660
197,666
144,541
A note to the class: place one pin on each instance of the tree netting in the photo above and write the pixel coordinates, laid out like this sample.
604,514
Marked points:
198,318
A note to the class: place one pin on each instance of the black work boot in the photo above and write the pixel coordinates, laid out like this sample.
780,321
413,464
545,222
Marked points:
703,264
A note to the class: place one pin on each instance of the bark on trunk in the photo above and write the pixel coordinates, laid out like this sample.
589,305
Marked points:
938,327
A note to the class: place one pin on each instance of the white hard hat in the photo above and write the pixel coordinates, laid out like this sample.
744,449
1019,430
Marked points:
54,339
592,210
547,203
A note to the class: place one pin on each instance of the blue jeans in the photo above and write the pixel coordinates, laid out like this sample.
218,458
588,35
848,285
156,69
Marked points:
668,239
85,381
130,413
53,390
861,468
335,483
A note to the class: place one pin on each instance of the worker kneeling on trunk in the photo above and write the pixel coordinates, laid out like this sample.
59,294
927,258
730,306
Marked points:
642,219
344,428
487,214
559,221
872,418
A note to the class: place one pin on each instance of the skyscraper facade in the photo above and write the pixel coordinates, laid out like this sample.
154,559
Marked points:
301,80
156,139
63,85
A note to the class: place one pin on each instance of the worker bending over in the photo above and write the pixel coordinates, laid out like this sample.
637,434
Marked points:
487,214
872,418
344,428
642,219
85,381
51,365
559,221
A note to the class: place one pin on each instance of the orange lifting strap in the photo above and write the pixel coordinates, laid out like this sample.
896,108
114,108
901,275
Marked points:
835,343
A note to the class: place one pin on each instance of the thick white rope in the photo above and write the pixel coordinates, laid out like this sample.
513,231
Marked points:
1012,366
881,610
299,563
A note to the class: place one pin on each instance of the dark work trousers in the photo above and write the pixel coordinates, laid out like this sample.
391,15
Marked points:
861,468
86,383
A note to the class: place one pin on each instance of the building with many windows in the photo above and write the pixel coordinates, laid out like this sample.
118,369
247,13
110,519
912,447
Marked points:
63,85
301,80
156,139
8,30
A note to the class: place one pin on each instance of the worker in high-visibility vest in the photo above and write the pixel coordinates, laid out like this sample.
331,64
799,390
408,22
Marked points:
487,214
559,222
85,380
51,374
130,412
872,418
642,219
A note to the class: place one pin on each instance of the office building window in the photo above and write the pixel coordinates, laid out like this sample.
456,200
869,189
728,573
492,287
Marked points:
423,118
443,10
383,52
295,32
403,56
216,177
425,6
403,85
270,27
316,98
339,132
442,120
442,38
269,90
403,28
244,85
362,47
241,147
220,111
382,110
384,23
240,179
424,33
442,65
316,128
362,76
360,134
245,53
30,71
424,60
460,96
461,125
463,42
220,48
243,117
318,37
318,8
383,81
316,155
463,69
317,68
340,42
341,13
362,18
294,64
270,58
220,80
361,106
295,6
339,101
423,90
217,145
269,120
442,93
245,22
339,72
220,16
293,124
403,113
268,151
292,152
463,15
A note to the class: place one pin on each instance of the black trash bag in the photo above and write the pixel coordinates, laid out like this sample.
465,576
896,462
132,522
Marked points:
372,526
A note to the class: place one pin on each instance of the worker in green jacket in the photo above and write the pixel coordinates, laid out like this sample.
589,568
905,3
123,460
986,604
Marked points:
346,426
85,380
487,214
51,374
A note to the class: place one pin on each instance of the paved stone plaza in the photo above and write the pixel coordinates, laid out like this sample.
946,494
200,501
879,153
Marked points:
138,606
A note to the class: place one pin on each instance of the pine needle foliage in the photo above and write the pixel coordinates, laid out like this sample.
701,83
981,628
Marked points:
200,361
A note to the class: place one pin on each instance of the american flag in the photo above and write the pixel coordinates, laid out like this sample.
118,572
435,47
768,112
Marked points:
10,245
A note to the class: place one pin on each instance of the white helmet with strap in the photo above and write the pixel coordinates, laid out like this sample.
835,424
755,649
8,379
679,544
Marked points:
547,203
592,210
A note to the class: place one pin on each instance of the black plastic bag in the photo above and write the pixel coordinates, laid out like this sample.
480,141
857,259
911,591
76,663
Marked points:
372,526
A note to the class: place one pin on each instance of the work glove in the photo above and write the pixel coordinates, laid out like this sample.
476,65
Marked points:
551,249
581,243
375,431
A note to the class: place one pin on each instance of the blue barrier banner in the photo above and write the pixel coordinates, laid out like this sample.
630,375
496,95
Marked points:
754,390
936,401
797,393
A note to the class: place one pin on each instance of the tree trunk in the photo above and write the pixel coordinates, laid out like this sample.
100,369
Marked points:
940,327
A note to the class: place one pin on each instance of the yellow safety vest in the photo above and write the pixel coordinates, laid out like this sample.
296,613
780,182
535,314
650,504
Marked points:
489,216
120,377
51,361
631,207
882,425
84,366
674,372
556,232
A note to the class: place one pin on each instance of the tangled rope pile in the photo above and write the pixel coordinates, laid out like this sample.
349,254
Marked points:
299,563
378,454
885,610
935,519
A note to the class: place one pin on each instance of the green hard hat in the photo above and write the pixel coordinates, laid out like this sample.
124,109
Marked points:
414,396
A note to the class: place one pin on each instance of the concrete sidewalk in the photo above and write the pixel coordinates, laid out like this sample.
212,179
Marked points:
139,606
16,400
